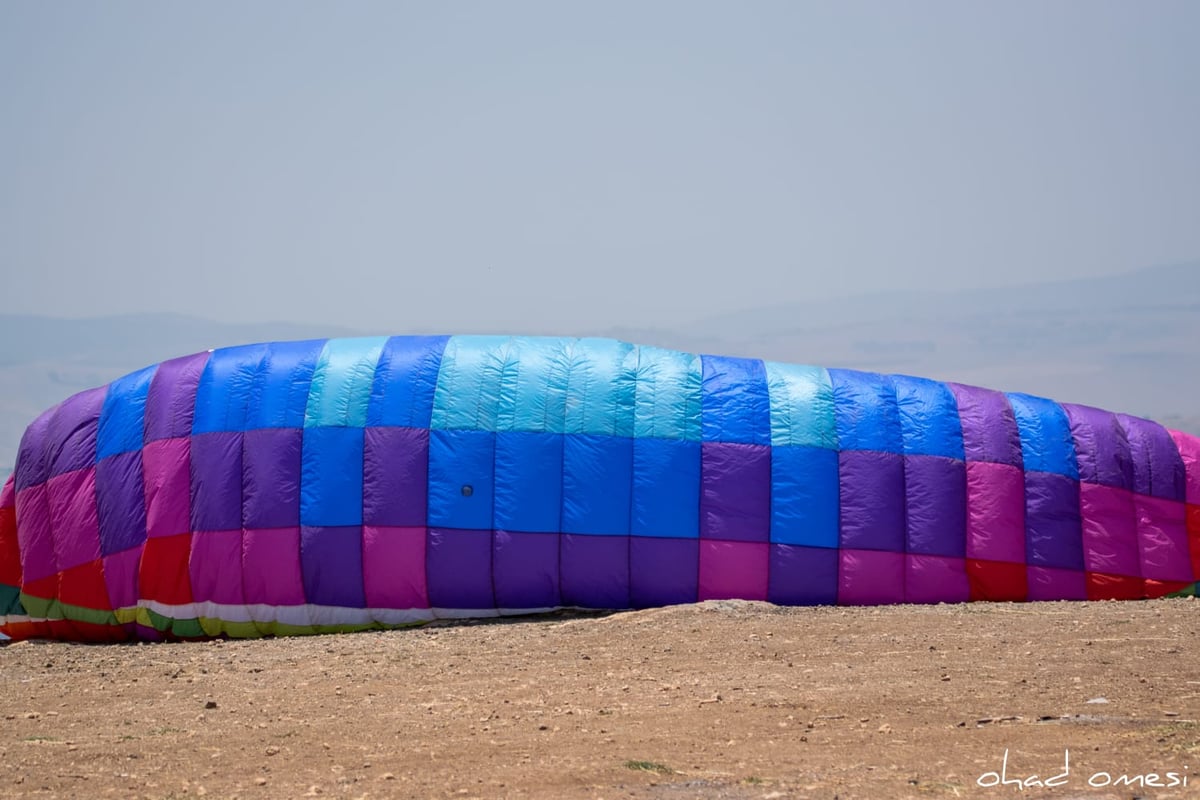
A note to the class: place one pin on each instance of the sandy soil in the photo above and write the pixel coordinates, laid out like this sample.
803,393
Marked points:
719,700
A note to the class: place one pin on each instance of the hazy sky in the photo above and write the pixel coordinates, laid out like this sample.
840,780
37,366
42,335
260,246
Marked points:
440,166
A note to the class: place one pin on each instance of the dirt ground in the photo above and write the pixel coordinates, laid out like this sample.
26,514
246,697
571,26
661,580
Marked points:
719,700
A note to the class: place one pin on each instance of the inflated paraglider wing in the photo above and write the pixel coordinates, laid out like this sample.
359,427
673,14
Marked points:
333,485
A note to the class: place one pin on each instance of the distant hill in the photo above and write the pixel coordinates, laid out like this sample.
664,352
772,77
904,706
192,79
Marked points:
1127,342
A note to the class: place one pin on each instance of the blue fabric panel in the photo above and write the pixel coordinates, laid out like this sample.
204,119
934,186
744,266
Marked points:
669,395
601,388
597,478
331,488
1046,441
342,381
867,414
225,388
529,481
461,479
929,420
804,496
802,407
122,415
405,380
666,488
280,393
736,406
533,385
468,386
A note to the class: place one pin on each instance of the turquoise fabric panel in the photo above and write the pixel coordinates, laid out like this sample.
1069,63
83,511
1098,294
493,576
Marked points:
533,385
802,407
469,383
669,395
341,384
602,388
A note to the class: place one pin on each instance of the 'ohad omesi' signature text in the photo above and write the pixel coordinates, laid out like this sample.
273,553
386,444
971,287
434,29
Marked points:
1098,779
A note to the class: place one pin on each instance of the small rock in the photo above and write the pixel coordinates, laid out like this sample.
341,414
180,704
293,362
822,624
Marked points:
387,776
260,781
210,704
1098,701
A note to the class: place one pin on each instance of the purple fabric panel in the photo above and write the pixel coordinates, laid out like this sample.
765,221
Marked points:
595,571
995,512
935,579
33,454
1110,540
1048,583
1163,539
1158,469
271,560
34,535
71,434
663,571
215,567
171,401
121,577
1189,451
735,500
802,576
872,500
216,501
166,472
1100,447
395,476
1053,528
394,567
331,565
271,477
870,577
734,570
459,568
936,505
121,502
74,518
989,427
526,573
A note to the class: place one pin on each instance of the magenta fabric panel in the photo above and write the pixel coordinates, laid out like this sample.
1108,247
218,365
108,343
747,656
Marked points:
121,577
215,567
1110,540
1189,450
271,560
733,570
394,567
1163,539
995,512
73,517
34,534
166,472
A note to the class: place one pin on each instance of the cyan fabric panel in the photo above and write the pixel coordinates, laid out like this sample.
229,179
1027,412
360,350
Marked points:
804,496
868,417
601,388
669,395
597,481
736,405
928,418
405,381
340,391
468,386
461,479
280,394
529,480
331,483
1046,441
533,385
666,488
225,387
122,416
802,406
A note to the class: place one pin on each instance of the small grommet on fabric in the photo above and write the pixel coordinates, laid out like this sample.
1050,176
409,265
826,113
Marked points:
467,491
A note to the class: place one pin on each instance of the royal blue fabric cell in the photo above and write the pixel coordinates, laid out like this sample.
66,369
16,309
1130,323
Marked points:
928,418
868,417
597,474
121,418
461,479
1046,442
666,488
735,405
280,392
225,388
529,498
804,496
331,488
405,381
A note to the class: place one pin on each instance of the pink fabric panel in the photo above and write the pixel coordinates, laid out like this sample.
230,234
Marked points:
1189,449
215,567
73,517
165,471
34,535
995,512
271,559
1110,540
121,577
394,567
733,570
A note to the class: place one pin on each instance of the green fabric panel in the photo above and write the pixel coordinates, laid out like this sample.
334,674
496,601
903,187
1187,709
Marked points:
342,381
802,406
668,395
